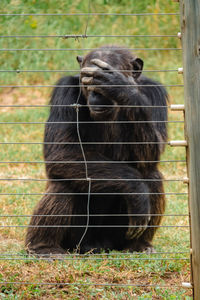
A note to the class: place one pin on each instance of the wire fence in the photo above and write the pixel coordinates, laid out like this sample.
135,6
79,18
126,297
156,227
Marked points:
18,189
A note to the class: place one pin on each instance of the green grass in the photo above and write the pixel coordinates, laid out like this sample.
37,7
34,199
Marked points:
91,269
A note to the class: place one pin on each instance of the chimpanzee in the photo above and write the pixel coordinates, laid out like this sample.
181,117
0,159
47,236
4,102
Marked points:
117,120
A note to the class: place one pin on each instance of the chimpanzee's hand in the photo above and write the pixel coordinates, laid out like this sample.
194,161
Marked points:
104,80
137,226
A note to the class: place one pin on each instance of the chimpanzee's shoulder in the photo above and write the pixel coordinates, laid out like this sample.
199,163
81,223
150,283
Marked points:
147,81
67,80
153,89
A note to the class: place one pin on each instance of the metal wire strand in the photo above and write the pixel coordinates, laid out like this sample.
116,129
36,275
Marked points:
93,226
90,49
88,18
93,194
94,179
76,86
96,215
85,143
93,162
85,105
83,36
91,122
77,70
92,14
85,160
88,216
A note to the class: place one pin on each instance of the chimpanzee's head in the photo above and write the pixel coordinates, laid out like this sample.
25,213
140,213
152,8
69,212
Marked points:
119,59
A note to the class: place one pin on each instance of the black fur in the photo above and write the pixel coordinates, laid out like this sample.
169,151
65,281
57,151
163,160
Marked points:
59,240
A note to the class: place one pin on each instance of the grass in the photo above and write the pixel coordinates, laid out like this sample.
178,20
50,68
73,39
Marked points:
102,269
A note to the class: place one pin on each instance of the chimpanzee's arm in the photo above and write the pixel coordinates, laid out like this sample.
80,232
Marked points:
123,90
138,102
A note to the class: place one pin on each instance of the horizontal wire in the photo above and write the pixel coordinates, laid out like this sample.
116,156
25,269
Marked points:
92,259
93,179
93,284
77,36
85,143
96,215
95,226
94,194
76,49
102,254
93,14
90,122
87,105
81,85
78,70
92,162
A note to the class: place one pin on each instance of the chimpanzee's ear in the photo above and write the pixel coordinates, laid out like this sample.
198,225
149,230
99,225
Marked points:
137,64
79,60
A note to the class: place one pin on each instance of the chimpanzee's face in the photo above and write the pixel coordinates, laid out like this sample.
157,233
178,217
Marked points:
99,105
104,67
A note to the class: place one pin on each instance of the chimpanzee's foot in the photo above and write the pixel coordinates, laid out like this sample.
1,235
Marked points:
45,252
105,245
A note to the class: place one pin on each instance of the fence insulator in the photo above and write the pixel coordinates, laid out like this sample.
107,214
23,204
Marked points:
177,107
187,285
179,35
186,180
178,143
180,70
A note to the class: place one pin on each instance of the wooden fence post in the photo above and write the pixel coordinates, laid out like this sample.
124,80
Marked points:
190,36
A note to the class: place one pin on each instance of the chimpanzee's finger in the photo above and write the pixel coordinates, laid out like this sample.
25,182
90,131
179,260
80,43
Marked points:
96,89
95,73
134,232
87,80
91,88
88,71
101,64
92,81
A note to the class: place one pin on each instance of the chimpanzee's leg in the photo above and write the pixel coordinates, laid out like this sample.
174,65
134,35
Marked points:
157,202
49,239
44,236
